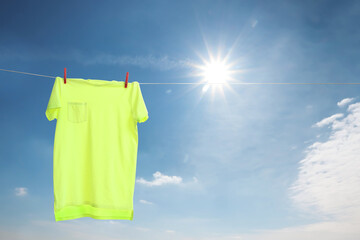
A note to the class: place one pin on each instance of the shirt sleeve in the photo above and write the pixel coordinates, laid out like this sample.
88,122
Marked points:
54,104
139,110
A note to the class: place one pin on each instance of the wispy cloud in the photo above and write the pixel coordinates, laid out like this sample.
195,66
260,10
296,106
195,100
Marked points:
21,191
344,102
161,62
148,61
145,202
328,182
328,120
160,179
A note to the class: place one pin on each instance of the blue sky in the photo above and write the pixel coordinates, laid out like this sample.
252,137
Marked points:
238,162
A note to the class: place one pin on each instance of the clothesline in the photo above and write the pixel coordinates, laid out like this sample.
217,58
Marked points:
193,82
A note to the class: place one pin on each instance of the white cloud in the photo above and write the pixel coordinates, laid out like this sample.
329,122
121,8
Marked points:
145,202
328,183
329,120
344,102
21,191
160,179
170,231
168,91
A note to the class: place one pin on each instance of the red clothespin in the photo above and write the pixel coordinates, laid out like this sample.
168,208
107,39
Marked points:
127,78
64,75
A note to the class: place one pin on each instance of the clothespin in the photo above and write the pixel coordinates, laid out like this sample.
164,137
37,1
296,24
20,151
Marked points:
64,75
126,81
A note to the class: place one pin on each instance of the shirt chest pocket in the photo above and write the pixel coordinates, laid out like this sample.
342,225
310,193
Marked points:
77,112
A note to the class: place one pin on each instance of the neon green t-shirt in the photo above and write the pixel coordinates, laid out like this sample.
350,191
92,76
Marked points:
95,147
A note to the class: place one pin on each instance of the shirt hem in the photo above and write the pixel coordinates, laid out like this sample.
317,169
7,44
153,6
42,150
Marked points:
73,212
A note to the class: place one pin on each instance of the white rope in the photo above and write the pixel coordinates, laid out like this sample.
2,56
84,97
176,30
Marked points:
246,83
27,73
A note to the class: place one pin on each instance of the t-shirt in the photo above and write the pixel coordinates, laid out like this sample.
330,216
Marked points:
95,147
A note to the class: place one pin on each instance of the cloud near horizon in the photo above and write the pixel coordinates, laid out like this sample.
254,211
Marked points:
327,187
328,182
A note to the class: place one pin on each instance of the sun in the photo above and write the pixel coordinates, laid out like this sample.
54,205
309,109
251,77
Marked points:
215,72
